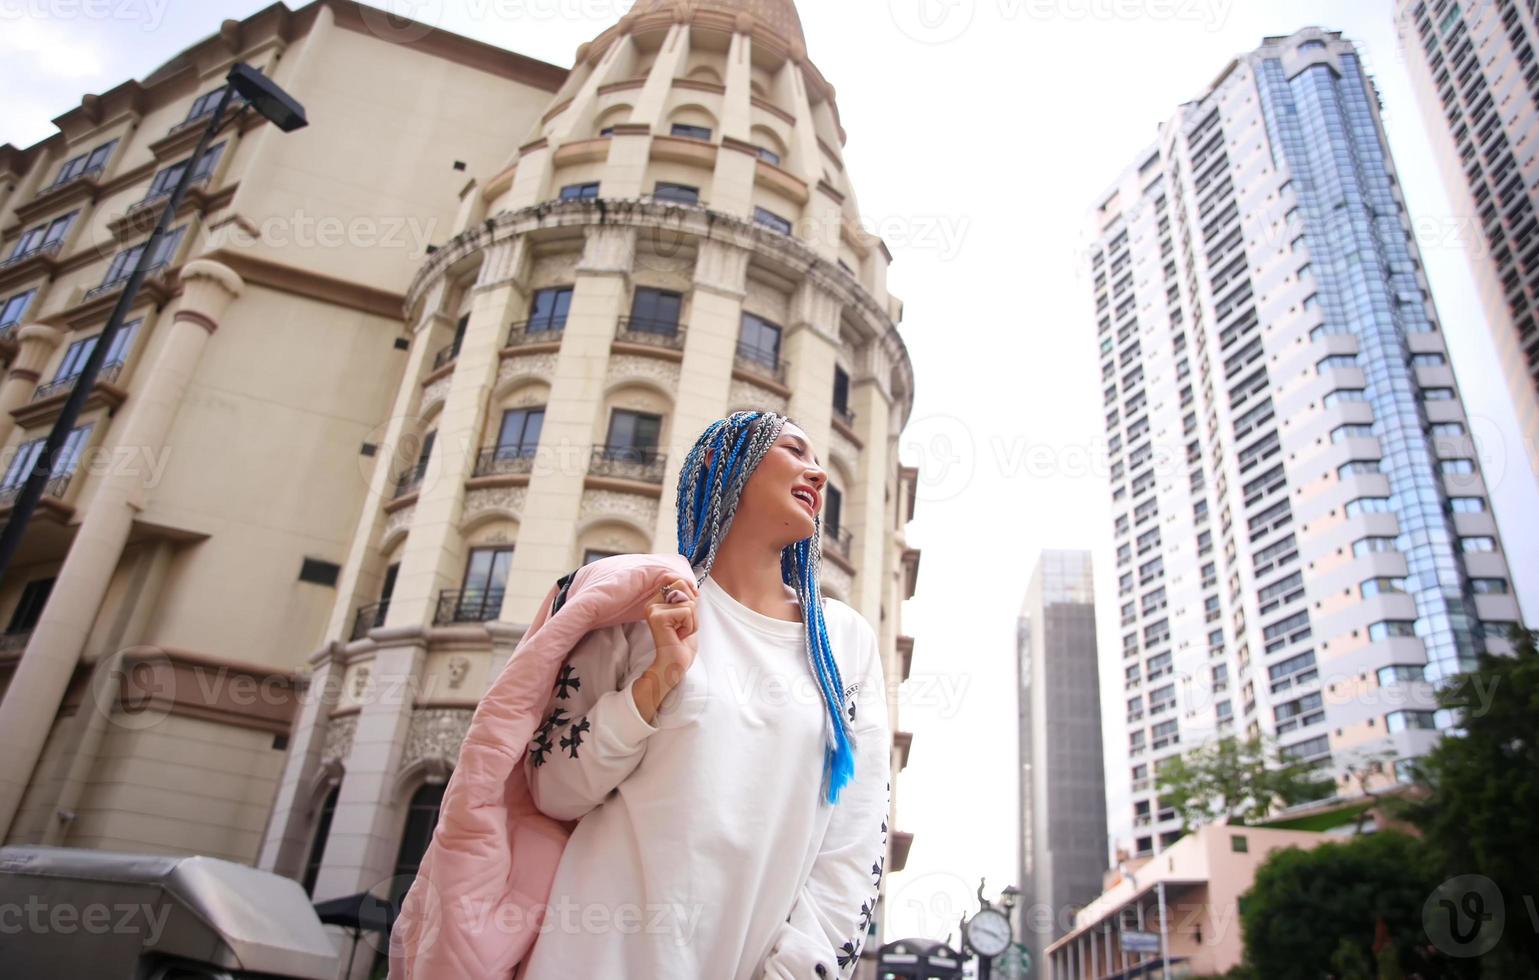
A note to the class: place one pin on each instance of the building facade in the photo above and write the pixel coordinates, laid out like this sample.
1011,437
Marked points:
394,375
1063,778
1477,81
1304,543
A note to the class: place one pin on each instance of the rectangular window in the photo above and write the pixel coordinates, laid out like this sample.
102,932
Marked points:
767,155
519,434
29,608
84,164
634,430
548,309
580,192
122,265
1391,628
1401,674
1467,505
1477,544
771,220
42,236
833,505
759,341
1399,721
165,180
690,132
677,193
28,452
656,311
15,307
841,390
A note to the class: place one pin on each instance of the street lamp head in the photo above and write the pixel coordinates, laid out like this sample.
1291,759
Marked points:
276,105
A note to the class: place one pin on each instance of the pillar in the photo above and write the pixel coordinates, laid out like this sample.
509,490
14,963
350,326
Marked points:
46,666
35,345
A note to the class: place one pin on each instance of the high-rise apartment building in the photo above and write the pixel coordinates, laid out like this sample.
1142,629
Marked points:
1303,537
393,375
1063,778
1476,77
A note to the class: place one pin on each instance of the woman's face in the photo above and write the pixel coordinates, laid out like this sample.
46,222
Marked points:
785,492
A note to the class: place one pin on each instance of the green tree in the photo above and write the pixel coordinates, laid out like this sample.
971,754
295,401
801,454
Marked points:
1483,793
1317,912
1238,781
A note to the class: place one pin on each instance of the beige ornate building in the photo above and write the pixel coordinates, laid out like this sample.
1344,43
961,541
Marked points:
394,375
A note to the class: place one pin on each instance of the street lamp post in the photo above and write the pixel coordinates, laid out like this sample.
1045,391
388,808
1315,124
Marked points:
278,107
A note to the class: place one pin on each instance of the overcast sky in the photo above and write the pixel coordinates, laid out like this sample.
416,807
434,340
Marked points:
980,132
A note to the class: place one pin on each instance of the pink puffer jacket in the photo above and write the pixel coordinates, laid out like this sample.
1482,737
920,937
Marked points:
475,908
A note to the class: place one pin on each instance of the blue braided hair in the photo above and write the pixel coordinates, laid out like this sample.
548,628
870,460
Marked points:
707,501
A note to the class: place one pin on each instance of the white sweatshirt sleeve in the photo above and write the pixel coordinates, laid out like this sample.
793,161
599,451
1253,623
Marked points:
593,736
823,934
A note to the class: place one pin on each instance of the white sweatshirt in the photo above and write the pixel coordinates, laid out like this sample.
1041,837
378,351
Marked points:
704,851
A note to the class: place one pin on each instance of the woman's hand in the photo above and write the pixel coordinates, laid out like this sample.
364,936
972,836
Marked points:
671,617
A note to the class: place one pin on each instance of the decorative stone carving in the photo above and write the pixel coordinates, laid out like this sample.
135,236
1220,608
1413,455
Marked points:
608,249
458,668
396,520
436,733
502,262
360,681
435,392
478,502
721,267
554,270
744,394
338,743
637,508
528,365
631,367
767,301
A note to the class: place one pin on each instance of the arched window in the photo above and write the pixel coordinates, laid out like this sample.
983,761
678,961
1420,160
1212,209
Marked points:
318,845
421,818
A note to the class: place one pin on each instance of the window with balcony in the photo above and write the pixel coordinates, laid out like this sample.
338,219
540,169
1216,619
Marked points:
580,192
655,312
26,459
76,355
122,265
480,597
548,309
84,165
518,437
205,104
842,396
13,308
412,478
44,237
758,343
164,181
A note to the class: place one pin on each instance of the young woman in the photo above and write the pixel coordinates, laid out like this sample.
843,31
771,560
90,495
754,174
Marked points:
727,759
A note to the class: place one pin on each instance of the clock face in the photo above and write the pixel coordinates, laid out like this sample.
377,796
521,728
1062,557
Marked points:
988,932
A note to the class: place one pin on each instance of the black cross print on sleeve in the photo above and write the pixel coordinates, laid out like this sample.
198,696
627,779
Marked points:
567,682
574,739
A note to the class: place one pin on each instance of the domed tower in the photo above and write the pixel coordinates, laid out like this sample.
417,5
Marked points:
674,240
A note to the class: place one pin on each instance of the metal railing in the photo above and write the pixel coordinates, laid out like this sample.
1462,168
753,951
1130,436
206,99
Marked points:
38,249
109,372
467,606
369,617
53,488
846,415
644,330
164,192
761,362
501,460
627,463
121,279
536,331
411,480
839,541
64,181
